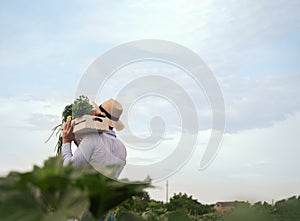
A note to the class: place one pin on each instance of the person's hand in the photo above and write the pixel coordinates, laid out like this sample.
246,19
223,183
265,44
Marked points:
67,132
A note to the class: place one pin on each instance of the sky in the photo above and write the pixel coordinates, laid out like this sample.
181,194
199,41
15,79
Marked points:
252,48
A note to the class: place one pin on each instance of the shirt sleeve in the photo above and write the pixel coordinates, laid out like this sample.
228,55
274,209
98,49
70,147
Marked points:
82,154
121,155
66,153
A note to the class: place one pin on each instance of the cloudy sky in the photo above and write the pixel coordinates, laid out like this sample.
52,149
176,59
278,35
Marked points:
252,47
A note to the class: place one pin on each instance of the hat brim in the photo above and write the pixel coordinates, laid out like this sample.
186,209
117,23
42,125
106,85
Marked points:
118,125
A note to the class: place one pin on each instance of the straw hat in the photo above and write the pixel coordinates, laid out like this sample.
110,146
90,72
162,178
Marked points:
112,109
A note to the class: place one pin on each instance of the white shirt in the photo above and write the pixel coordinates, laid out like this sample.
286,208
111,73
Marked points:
102,149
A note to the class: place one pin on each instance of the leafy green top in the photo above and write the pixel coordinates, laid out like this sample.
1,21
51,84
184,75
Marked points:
78,108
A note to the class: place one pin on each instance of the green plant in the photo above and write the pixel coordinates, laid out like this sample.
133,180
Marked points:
54,192
81,106
78,108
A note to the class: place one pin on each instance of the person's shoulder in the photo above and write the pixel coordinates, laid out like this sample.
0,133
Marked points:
91,136
120,143
119,140
122,150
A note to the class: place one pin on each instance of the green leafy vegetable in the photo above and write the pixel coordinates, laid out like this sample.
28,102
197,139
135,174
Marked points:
78,108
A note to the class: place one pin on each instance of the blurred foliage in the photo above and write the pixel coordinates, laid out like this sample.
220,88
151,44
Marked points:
187,203
78,108
283,210
54,192
183,208
247,213
180,208
287,210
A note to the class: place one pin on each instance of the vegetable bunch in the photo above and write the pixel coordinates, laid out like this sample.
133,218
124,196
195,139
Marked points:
78,108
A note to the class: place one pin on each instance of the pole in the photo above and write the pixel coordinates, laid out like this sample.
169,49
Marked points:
167,191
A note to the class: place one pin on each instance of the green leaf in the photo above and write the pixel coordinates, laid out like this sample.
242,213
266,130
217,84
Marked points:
176,216
17,205
247,213
56,192
128,216
72,204
104,193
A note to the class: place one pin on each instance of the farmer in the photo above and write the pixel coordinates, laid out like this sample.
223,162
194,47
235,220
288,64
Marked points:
99,149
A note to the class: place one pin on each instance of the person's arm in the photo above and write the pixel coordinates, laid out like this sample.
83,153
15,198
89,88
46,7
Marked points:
84,151
67,137
81,155
66,153
121,155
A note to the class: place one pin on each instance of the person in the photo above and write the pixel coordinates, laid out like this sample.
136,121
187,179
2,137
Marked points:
98,149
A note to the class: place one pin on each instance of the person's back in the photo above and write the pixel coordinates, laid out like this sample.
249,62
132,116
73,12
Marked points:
98,149
113,153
